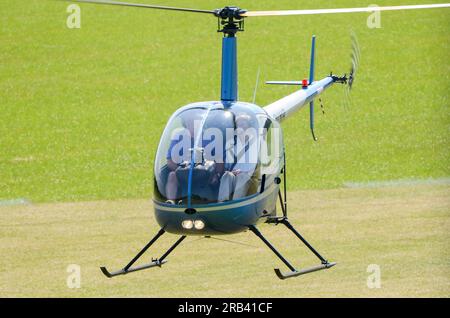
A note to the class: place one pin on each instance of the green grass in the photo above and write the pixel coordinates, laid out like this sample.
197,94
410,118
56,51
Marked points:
404,230
81,111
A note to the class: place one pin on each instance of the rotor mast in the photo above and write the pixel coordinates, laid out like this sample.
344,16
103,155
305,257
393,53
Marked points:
230,21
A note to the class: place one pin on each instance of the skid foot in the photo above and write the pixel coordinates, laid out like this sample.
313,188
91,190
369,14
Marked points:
303,271
131,269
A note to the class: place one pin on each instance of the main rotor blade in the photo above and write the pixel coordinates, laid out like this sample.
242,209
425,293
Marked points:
343,10
139,5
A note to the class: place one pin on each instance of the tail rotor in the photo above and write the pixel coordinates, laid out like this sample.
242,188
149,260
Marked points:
355,58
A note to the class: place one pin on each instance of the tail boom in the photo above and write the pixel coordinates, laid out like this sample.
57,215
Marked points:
290,104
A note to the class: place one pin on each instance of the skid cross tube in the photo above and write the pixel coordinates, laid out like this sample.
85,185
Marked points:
155,262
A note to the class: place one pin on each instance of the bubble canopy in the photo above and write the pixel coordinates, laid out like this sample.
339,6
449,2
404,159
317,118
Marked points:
211,153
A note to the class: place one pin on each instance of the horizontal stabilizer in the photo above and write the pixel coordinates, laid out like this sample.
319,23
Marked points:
284,82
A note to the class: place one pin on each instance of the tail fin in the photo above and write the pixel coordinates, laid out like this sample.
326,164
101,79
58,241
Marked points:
313,59
305,84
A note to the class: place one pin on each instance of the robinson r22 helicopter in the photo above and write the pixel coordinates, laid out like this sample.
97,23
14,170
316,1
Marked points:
220,164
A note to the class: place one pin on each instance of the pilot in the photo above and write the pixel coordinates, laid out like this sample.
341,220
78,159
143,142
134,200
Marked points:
179,163
235,182
189,120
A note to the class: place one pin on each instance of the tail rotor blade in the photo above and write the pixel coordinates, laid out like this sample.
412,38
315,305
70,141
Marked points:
355,59
355,46
347,99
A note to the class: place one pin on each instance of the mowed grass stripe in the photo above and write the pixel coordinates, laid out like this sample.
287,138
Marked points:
403,229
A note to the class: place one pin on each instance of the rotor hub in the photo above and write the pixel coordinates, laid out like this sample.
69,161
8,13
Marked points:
227,13
230,20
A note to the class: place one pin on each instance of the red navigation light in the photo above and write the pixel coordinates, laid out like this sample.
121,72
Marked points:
305,83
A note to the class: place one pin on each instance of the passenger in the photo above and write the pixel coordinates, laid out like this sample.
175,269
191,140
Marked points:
234,183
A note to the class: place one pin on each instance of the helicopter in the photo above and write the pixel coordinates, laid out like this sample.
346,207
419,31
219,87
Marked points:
220,166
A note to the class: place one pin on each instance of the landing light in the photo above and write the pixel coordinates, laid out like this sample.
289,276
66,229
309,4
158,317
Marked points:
199,224
187,224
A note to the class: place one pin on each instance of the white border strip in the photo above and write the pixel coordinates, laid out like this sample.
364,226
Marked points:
397,183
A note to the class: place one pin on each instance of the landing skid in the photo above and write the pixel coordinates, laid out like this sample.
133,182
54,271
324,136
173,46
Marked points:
271,220
293,271
284,220
155,262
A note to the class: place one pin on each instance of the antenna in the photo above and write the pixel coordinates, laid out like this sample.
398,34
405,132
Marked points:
256,85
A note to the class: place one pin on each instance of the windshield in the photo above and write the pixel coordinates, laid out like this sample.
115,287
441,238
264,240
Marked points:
209,154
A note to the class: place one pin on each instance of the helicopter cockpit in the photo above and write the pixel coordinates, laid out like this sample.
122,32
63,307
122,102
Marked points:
209,153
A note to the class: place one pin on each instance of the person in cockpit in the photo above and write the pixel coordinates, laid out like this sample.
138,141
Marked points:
235,182
179,159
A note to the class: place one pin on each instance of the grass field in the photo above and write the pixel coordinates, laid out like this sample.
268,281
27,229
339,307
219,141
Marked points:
82,110
404,230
